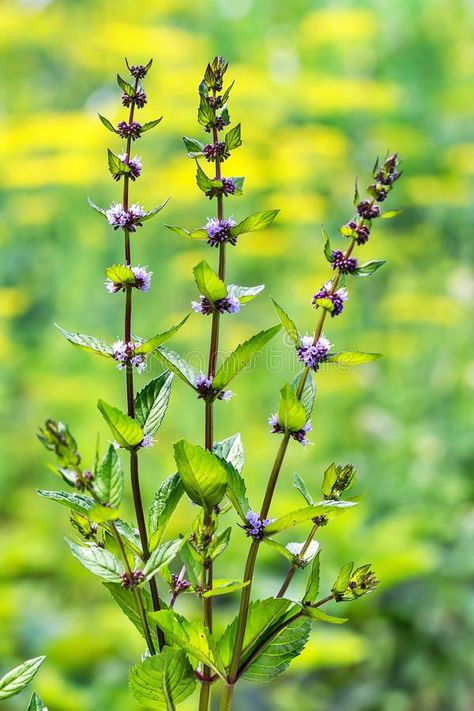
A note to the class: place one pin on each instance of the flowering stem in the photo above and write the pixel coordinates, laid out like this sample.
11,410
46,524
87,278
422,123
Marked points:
294,567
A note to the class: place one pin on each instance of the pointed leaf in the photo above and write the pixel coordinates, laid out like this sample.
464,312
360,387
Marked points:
208,283
244,293
87,343
151,403
225,587
120,274
277,655
232,450
317,614
352,357
126,431
291,413
155,211
203,474
96,208
36,704
257,221
233,138
109,479
368,268
16,679
116,165
327,246
309,390
328,508
125,86
205,113
161,556
176,363
79,503
300,485
312,586
195,234
342,580
389,214
287,323
151,124
203,182
98,560
166,499
193,147
163,680
107,124
236,492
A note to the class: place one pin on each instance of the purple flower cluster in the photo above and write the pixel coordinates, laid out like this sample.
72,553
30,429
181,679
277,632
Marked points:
142,281
229,304
132,129
178,584
298,435
219,124
135,165
138,71
312,354
219,231
204,388
255,525
346,265
228,188
215,150
136,578
367,210
127,220
147,441
124,355
139,99
337,298
361,232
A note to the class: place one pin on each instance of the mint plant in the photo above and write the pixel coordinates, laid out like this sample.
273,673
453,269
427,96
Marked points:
18,678
144,571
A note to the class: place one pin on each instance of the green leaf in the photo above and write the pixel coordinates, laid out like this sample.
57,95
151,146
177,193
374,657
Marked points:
244,293
200,233
191,636
155,211
161,556
102,514
126,431
151,124
295,549
16,679
239,184
225,587
287,323
125,599
232,450
241,356
277,655
108,479
236,492
203,182
116,164
342,580
203,474
312,586
328,508
193,567
257,221
96,208
205,113
125,86
317,614
163,680
208,283
309,391
368,268
327,246
356,193
219,543
87,343
389,214
151,403
75,502
300,485
352,357
278,548
163,505
262,615
291,413
233,138
225,95
98,560
36,704
329,479
176,363
107,124
120,274
193,147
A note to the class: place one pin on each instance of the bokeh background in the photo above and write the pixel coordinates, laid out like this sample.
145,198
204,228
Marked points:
321,89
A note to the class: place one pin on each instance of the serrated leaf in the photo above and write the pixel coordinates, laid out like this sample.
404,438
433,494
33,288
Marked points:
163,505
368,268
109,479
126,431
242,355
328,508
244,293
193,146
277,655
191,636
252,223
309,390
176,363
203,474
98,561
300,485
312,586
200,233
151,403
120,274
126,601
232,450
208,283
163,680
151,124
287,323
87,343
116,165
161,556
343,577
317,614
36,703
155,211
16,679
291,413
79,503
233,138
352,357
107,124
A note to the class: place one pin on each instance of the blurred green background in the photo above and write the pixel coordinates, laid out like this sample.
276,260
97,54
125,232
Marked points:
321,89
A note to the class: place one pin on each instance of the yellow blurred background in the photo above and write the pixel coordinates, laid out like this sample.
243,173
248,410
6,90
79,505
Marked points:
321,89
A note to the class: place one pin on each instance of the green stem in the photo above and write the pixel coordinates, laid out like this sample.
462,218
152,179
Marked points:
226,700
300,557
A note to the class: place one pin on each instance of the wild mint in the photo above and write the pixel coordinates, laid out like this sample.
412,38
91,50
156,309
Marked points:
145,571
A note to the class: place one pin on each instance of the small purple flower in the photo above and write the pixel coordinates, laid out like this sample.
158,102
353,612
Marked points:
127,220
204,388
178,584
135,165
142,281
139,99
229,303
219,231
313,354
203,306
346,265
275,425
215,102
136,578
361,231
138,71
337,299
368,210
228,188
255,525
147,441
220,123
124,355
298,435
132,129
215,150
